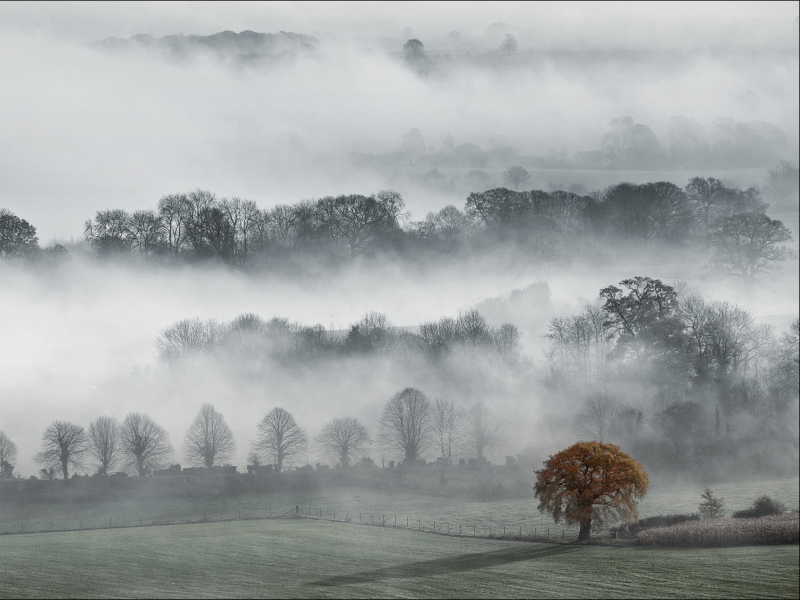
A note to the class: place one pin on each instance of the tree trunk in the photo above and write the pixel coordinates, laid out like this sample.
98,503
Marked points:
586,529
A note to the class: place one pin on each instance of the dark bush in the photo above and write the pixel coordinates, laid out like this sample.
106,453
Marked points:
761,507
631,529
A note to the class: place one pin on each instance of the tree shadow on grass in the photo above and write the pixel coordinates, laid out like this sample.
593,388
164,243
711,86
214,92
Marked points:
443,566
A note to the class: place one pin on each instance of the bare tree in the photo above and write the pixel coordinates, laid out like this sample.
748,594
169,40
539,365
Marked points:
448,426
597,416
280,437
484,430
175,211
103,442
144,444
516,176
63,445
343,438
749,245
209,439
8,454
406,424
473,330
619,140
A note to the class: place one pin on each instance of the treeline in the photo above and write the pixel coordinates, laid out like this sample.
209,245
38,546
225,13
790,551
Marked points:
719,383
411,426
333,230
248,337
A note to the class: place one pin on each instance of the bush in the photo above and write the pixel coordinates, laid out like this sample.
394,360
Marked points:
631,530
761,507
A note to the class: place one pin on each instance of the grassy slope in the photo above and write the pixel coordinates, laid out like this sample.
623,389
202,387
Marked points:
301,558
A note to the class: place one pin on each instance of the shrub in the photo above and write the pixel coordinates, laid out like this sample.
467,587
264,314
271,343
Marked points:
761,507
631,530
711,507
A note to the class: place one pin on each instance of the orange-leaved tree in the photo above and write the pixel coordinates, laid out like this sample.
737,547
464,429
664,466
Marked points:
590,483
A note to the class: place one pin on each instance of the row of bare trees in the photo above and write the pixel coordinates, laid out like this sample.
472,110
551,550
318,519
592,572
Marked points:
137,444
249,337
410,426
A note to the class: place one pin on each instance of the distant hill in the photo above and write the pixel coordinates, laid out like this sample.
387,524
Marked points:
245,47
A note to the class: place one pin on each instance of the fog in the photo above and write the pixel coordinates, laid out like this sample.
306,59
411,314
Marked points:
88,127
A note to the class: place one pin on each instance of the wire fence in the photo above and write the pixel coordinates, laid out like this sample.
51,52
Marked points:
67,522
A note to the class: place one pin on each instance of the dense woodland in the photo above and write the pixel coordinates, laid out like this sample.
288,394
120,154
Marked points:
730,223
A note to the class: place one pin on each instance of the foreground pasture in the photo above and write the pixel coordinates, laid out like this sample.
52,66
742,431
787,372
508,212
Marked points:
309,558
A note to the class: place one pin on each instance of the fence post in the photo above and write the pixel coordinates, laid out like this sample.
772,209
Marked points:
406,522
320,513
504,531
473,531
384,519
419,524
434,527
395,520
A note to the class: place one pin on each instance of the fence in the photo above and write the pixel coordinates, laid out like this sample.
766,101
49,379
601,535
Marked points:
66,522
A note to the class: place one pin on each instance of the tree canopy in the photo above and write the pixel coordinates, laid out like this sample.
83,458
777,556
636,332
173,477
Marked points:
590,484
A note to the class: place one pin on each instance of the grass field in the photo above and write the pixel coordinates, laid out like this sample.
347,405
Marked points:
306,558
420,510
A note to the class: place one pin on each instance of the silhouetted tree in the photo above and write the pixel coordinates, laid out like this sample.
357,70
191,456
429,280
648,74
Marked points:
280,437
597,414
209,439
17,236
484,431
104,443
144,445
749,245
343,438
516,176
406,424
509,45
448,426
414,51
64,444
8,456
